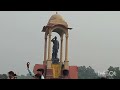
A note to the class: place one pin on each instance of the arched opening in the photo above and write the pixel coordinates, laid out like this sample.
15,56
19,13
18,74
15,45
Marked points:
59,30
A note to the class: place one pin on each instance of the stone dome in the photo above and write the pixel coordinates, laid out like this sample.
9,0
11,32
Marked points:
57,19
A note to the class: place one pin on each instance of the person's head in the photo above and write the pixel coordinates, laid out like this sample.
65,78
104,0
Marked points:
40,71
55,38
11,74
37,76
65,72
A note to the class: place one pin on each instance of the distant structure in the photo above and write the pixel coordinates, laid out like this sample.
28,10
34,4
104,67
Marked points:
54,66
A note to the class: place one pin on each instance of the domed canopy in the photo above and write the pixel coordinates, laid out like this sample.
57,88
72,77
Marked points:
57,19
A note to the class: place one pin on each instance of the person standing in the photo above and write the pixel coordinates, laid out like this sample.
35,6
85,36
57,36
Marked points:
39,74
11,75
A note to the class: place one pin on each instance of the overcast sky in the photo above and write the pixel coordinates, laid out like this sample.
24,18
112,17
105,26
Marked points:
94,40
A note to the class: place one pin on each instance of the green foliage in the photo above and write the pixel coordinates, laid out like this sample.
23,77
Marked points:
86,73
116,71
24,77
3,76
89,73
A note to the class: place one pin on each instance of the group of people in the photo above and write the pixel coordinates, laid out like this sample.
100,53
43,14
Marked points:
38,75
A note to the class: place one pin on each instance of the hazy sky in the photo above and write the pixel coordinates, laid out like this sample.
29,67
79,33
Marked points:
94,40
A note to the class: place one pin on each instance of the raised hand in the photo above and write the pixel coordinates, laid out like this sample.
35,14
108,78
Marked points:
28,63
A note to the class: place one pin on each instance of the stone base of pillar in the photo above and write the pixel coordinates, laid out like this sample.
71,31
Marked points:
61,63
66,65
49,63
49,73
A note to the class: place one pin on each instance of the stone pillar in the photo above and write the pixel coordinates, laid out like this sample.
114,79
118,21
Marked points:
66,63
49,61
61,49
45,50
49,71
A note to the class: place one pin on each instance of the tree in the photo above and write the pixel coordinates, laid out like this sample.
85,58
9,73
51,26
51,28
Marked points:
86,73
113,72
3,76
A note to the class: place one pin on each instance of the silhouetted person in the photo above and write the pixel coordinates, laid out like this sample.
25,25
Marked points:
41,72
11,75
65,74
